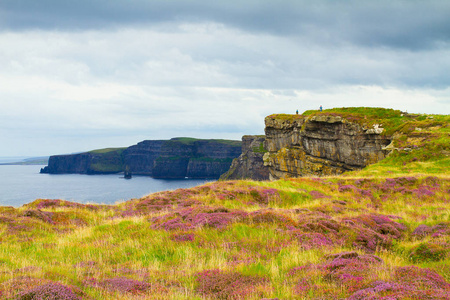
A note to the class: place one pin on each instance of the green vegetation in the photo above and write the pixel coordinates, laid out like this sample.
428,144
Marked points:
379,233
190,141
237,239
259,149
210,159
108,160
421,143
107,150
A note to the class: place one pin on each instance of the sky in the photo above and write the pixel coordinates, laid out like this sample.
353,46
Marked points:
89,74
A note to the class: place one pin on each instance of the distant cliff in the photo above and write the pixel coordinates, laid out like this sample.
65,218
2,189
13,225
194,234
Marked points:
321,144
182,157
250,164
103,161
175,158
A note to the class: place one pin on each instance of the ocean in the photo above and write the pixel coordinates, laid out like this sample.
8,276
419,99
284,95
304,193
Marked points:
21,184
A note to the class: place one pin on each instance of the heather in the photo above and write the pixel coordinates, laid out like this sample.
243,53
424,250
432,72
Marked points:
305,238
379,233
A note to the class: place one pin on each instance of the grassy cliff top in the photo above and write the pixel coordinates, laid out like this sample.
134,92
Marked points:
190,141
421,143
180,140
391,120
107,150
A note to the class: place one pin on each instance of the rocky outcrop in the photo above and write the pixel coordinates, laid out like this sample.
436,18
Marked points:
175,158
250,164
299,145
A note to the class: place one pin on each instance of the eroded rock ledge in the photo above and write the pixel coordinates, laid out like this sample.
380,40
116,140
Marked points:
250,164
320,145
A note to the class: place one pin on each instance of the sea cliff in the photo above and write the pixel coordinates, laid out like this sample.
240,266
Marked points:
175,158
301,145
382,232
250,164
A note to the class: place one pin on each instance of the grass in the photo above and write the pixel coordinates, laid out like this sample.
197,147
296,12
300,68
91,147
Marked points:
191,141
251,239
421,143
379,233
108,160
260,149
392,120
107,150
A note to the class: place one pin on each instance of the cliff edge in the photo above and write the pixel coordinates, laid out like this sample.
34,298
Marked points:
355,138
300,145
169,159
250,164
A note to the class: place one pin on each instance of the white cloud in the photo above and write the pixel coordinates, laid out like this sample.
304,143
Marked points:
208,80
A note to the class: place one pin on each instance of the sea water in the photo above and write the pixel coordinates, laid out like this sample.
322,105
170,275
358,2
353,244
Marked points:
21,184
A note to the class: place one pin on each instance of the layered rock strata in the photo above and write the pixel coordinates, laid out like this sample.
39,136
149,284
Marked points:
171,159
85,163
320,145
250,164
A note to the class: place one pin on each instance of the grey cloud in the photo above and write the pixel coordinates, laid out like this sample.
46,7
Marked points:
207,55
394,23
91,74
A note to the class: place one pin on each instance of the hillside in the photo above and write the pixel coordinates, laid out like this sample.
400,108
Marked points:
382,232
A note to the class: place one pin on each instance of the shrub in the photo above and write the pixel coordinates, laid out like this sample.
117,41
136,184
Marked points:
191,218
182,237
270,216
420,278
49,291
422,230
121,284
374,230
317,195
313,240
226,285
40,215
351,270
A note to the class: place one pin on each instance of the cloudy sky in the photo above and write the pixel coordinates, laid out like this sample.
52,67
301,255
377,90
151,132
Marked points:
89,74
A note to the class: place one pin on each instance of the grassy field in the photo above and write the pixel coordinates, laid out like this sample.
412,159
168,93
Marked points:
379,233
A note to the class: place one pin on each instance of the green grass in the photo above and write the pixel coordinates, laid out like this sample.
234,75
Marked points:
259,149
249,239
191,141
107,150
103,242
421,142
210,159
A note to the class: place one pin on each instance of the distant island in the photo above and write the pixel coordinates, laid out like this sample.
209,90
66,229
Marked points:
41,160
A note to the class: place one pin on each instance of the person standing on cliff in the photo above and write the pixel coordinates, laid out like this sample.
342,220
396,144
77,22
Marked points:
321,108
296,112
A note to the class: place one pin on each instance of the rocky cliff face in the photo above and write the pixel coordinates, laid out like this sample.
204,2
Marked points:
250,164
180,158
320,145
141,158
85,163
175,158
